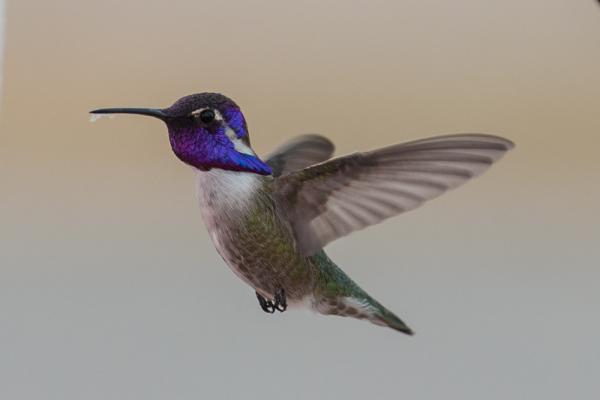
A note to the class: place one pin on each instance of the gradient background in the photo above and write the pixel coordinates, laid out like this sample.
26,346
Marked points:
111,289
1,42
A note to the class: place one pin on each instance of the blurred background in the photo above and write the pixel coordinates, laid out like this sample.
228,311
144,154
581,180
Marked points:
111,289
1,41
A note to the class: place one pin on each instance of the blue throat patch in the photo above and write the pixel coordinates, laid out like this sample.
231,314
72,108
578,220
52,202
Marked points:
205,150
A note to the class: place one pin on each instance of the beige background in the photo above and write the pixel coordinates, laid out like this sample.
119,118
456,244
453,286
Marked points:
110,288
1,41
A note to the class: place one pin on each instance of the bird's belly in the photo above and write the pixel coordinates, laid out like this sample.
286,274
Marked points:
265,261
248,234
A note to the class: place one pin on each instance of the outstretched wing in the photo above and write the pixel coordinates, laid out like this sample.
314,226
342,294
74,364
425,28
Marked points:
300,152
326,201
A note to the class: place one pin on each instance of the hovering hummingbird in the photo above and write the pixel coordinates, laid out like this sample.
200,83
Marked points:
269,220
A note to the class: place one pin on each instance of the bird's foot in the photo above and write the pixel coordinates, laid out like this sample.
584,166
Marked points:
280,301
268,306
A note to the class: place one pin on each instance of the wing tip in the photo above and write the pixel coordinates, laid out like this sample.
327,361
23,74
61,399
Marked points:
504,144
507,143
320,138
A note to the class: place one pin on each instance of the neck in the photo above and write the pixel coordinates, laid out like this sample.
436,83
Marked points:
227,191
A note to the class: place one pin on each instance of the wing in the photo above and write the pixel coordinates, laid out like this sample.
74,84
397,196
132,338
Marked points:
300,152
334,198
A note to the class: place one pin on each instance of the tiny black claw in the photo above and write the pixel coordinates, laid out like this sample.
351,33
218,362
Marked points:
280,301
266,305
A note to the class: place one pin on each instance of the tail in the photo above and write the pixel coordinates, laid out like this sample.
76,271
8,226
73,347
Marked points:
337,294
361,307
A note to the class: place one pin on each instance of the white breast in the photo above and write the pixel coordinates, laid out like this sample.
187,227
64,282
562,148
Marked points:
226,191
224,196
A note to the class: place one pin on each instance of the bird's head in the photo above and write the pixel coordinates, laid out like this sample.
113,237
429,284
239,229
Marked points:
206,130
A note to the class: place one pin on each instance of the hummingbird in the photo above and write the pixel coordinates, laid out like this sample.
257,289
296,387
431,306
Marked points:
270,218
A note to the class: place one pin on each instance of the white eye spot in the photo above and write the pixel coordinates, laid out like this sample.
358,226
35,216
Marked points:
197,112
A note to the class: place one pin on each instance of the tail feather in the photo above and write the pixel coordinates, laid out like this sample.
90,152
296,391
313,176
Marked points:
362,307
337,294
385,317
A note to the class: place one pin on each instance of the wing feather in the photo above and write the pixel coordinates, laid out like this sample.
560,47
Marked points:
300,152
336,197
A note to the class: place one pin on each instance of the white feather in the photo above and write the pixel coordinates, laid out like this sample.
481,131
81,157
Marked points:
223,197
220,190
238,144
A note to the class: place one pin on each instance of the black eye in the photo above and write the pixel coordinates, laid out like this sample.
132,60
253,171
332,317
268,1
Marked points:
207,116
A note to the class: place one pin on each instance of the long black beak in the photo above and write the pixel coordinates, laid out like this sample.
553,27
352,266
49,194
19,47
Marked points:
151,112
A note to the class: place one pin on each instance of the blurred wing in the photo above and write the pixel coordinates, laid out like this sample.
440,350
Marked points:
334,198
300,152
